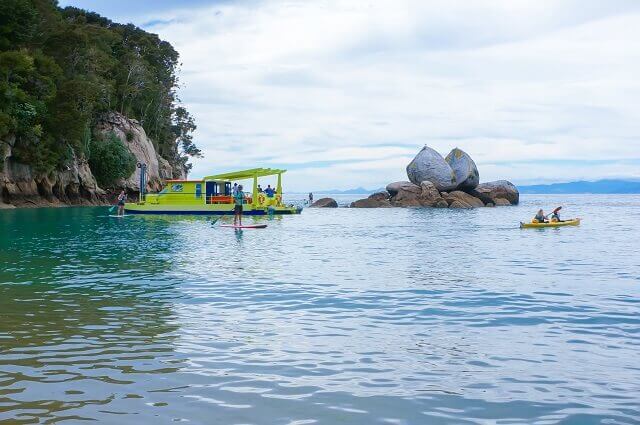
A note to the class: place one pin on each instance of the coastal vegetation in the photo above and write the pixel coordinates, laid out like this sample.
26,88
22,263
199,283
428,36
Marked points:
110,160
61,69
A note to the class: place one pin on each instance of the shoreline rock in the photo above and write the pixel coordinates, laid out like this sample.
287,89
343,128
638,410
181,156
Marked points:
500,189
324,203
376,200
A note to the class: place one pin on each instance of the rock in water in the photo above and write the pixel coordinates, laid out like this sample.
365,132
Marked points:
395,187
405,194
460,204
463,198
500,189
325,203
429,195
464,169
486,199
429,165
377,200
380,196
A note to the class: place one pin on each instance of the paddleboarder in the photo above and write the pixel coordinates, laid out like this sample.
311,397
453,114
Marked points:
122,198
238,198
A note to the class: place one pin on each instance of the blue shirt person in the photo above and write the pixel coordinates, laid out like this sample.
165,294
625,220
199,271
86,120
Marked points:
269,191
238,200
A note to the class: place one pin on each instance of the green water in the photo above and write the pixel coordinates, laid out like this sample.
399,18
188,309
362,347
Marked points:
334,316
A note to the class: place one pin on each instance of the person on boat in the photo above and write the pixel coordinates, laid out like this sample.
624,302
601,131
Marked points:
260,189
122,199
238,199
234,189
555,215
540,217
269,191
310,198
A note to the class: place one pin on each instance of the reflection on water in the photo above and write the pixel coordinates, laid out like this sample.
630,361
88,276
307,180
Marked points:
334,316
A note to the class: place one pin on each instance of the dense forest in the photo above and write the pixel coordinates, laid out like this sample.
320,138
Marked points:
61,68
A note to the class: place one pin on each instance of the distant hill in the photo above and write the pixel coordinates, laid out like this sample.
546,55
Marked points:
597,187
356,191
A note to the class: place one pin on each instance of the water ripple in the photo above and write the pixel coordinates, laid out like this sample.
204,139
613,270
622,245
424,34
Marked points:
340,316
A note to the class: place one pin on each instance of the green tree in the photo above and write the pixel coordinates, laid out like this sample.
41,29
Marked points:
110,160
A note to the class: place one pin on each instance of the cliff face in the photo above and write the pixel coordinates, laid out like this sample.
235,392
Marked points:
21,186
75,184
134,137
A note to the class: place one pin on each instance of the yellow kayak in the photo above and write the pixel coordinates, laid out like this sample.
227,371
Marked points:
571,222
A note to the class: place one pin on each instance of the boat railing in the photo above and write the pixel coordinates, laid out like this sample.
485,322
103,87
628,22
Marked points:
219,199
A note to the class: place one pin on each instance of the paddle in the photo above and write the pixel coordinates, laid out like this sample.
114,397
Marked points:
113,207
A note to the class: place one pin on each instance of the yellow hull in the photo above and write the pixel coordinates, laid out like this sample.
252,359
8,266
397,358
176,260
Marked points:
206,209
572,222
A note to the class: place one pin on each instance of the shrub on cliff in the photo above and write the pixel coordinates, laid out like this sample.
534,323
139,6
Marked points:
110,160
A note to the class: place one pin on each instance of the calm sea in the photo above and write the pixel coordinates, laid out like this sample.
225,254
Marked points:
336,316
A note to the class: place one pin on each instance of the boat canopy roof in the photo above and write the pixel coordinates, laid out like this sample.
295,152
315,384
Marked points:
246,174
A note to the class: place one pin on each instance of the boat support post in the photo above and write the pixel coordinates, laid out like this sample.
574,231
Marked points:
143,180
279,187
254,196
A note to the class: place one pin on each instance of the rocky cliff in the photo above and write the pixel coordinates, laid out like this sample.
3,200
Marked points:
135,139
74,184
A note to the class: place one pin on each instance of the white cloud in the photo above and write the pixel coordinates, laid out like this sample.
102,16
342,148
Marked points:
303,84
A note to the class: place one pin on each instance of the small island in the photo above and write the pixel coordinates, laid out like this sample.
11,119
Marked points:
437,182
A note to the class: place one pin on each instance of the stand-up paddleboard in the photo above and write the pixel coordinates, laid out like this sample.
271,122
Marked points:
245,226
118,216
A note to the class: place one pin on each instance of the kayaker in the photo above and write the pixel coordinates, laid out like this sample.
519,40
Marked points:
122,199
540,217
555,215
238,198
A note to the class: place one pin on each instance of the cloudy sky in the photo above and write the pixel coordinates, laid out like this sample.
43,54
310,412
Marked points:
344,93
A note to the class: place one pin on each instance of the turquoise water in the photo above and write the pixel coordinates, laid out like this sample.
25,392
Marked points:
334,316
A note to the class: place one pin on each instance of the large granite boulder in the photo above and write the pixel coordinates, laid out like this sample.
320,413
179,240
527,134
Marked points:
464,168
429,165
429,195
325,203
500,189
463,198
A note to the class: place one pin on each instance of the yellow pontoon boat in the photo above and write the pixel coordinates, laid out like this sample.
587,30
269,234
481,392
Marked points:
212,196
